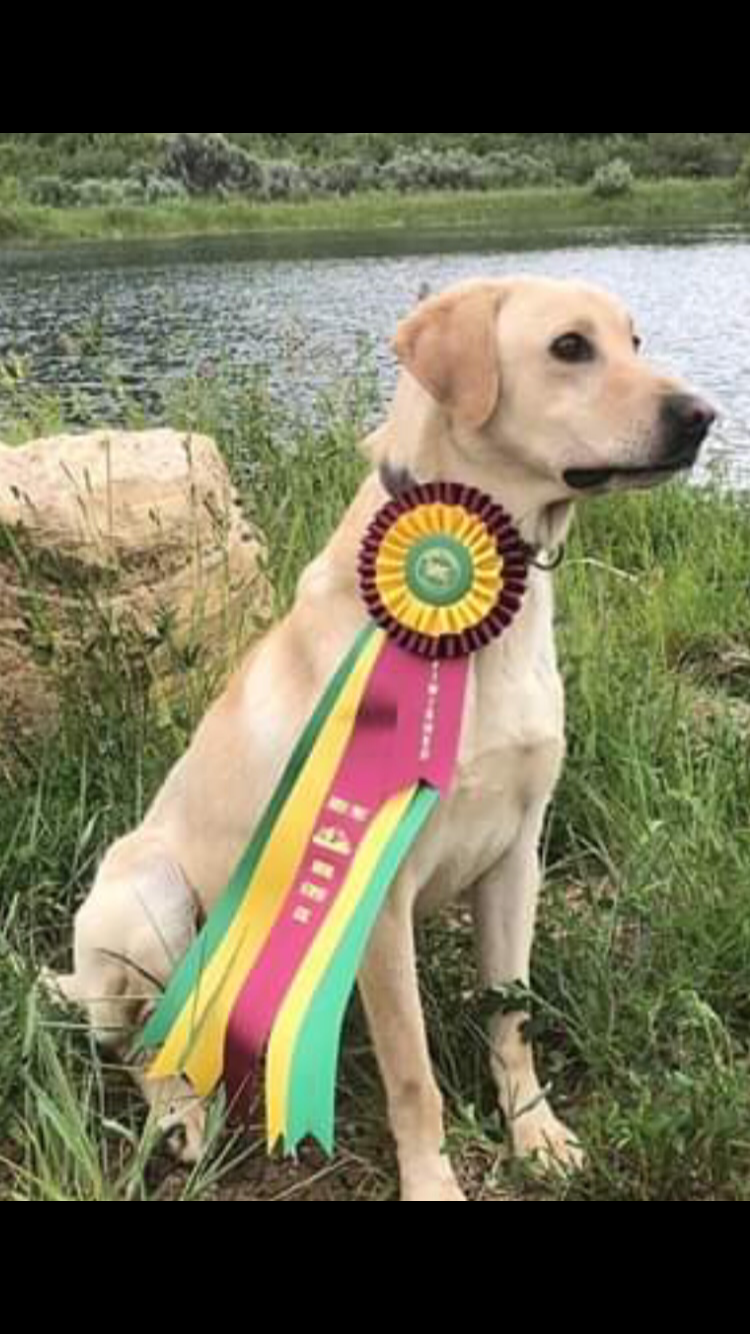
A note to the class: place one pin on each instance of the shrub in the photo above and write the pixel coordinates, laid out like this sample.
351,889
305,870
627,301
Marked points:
343,177
208,163
52,192
697,155
509,168
613,181
285,180
742,183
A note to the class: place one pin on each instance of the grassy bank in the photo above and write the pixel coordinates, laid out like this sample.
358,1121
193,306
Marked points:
643,961
666,204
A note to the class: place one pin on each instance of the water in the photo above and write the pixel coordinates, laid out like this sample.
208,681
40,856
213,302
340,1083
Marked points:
305,305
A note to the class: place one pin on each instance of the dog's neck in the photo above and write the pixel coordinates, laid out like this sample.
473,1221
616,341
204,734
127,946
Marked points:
418,443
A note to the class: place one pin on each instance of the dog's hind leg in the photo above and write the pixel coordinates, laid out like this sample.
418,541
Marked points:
137,923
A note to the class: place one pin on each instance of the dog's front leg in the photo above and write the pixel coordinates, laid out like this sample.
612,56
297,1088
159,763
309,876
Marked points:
505,913
390,992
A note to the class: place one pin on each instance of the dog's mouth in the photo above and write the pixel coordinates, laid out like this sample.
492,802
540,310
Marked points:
594,479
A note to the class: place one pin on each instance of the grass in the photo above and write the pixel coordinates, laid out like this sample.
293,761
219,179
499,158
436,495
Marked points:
668,204
642,966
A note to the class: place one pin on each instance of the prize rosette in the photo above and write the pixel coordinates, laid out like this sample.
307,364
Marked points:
443,570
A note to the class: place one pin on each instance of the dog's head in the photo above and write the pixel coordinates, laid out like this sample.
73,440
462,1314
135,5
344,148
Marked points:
546,378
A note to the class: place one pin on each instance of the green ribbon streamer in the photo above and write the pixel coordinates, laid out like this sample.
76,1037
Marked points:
188,974
312,1085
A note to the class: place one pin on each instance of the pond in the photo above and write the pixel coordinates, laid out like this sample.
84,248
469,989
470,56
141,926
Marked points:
306,305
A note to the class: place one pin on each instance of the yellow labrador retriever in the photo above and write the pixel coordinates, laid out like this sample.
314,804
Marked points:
534,391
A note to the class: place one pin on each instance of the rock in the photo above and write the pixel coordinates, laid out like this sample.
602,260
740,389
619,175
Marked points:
133,539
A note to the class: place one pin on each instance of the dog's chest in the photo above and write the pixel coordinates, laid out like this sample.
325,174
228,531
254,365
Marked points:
511,754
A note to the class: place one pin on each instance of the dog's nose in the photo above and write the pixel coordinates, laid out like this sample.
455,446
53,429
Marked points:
687,421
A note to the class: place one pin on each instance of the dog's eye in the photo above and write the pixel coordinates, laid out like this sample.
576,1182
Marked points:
573,348
637,343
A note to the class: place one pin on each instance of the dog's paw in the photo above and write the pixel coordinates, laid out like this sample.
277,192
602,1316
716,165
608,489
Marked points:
432,1188
540,1138
184,1127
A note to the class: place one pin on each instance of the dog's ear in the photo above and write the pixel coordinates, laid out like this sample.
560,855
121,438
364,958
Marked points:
449,344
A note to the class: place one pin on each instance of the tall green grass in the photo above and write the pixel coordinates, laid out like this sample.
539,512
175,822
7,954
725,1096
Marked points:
509,213
642,966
